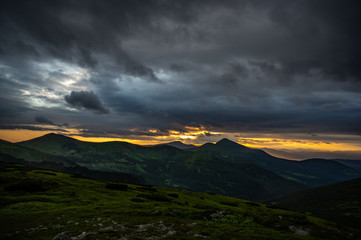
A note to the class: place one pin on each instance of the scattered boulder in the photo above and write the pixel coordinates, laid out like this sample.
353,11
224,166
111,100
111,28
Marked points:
62,236
298,230
83,235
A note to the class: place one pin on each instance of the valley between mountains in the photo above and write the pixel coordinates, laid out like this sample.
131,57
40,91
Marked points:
211,172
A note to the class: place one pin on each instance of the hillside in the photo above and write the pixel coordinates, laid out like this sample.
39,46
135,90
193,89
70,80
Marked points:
170,167
39,204
339,202
14,153
312,172
356,164
31,155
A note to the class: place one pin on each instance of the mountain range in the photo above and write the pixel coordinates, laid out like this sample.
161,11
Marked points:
226,167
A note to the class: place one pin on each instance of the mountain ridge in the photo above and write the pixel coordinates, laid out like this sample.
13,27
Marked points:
221,167
164,165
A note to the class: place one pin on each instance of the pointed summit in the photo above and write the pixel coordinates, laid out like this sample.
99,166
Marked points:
225,142
50,138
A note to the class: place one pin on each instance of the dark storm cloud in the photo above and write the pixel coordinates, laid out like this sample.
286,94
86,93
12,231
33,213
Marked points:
177,68
86,100
73,31
33,128
326,35
42,119
267,66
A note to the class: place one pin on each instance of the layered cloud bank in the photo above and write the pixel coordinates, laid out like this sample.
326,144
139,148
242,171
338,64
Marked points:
155,71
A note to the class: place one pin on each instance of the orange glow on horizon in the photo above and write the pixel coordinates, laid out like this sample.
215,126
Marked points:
108,139
194,136
293,144
21,135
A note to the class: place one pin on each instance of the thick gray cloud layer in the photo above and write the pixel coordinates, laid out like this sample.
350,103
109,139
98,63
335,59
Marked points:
233,66
86,100
43,120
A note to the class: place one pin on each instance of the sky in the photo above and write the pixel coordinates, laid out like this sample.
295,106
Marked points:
278,75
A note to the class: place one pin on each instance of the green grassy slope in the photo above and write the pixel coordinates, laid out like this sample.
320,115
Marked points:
170,167
339,202
29,154
38,204
312,172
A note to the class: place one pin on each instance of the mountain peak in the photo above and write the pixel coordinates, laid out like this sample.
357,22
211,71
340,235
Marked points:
54,135
180,145
228,143
50,137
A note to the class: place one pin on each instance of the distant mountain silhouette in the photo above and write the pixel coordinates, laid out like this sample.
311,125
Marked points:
311,172
356,164
180,145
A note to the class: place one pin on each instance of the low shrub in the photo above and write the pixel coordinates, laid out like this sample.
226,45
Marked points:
29,185
137,200
117,186
154,196
46,173
147,188
232,204
253,204
173,195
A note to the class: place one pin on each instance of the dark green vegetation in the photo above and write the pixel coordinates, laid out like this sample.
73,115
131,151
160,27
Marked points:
339,202
57,202
10,152
311,172
225,168
170,167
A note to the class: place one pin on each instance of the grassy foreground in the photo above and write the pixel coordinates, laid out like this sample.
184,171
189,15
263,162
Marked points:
39,204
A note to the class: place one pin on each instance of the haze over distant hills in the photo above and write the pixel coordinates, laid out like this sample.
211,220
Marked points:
304,154
177,144
180,145
225,167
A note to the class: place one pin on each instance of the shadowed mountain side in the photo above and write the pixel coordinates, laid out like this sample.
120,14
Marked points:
8,151
356,164
312,172
339,202
30,155
164,165
298,155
